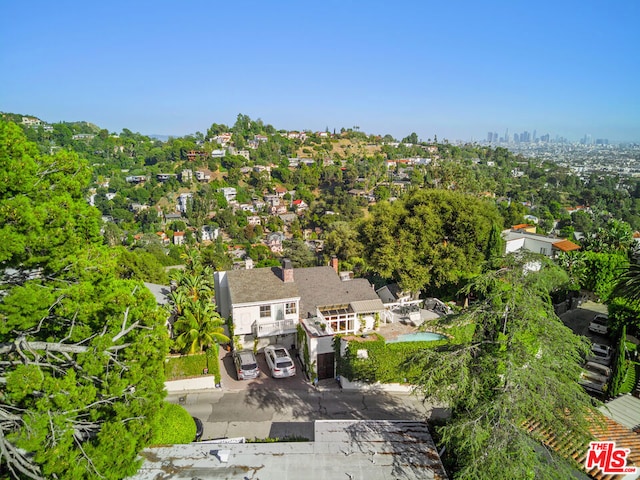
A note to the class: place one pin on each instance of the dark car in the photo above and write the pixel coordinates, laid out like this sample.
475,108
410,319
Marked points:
199,429
246,364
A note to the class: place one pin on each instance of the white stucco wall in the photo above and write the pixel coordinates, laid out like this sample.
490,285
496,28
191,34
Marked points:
246,314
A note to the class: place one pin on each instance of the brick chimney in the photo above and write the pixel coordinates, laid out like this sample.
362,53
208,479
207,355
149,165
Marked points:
334,263
287,270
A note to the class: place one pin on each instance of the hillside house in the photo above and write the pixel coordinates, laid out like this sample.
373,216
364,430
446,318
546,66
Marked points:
274,242
229,193
183,201
178,238
520,237
268,304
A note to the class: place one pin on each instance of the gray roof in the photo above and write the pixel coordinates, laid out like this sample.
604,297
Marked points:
367,306
624,410
259,285
341,449
320,286
315,286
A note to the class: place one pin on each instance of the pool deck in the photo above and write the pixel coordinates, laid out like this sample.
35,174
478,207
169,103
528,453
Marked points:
391,331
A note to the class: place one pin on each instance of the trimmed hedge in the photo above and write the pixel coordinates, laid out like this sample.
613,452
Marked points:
391,362
174,425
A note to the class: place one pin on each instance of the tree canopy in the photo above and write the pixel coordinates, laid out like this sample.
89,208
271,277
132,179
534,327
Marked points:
81,377
522,365
429,237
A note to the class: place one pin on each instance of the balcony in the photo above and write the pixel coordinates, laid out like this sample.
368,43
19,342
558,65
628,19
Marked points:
278,327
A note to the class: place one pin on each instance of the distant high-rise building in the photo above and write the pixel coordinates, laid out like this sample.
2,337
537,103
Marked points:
490,137
506,136
535,138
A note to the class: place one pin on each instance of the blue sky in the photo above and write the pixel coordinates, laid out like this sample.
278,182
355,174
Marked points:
454,69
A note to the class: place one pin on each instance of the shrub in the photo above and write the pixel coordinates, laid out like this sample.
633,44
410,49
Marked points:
174,425
391,362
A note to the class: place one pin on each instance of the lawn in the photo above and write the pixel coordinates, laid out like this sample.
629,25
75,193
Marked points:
187,366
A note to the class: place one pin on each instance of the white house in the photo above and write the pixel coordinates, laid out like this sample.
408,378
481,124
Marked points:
183,201
521,239
268,304
229,193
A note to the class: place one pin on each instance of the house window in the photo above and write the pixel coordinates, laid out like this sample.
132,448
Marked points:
265,311
291,308
543,250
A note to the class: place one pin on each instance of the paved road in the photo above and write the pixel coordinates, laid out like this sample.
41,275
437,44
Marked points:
259,412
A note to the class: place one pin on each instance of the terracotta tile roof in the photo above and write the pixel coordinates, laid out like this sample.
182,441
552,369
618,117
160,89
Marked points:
521,225
569,447
566,245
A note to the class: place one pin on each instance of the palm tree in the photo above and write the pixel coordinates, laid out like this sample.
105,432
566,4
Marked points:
629,284
199,327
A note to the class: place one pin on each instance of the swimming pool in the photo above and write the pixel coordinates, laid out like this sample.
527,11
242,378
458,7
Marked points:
418,337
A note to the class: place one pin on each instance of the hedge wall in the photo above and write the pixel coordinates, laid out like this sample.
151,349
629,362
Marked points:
390,362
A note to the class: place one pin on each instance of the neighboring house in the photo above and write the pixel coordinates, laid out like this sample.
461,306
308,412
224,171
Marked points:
178,238
392,294
138,207
619,424
300,205
183,201
208,233
280,191
229,193
163,177
254,220
369,449
164,239
268,304
274,241
170,217
520,239
186,175
136,179
203,176
218,153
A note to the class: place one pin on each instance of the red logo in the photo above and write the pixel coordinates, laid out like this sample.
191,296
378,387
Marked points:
608,458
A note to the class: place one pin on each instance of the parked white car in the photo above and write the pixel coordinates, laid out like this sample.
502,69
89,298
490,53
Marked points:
600,354
599,324
279,361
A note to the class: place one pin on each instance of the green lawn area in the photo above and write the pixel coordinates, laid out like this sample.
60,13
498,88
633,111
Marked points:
186,366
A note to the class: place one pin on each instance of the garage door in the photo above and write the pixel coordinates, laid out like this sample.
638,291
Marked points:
325,365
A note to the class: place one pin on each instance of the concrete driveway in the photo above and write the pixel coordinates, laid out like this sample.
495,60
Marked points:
230,380
578,321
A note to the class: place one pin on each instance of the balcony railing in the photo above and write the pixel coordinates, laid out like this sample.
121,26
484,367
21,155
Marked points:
278,327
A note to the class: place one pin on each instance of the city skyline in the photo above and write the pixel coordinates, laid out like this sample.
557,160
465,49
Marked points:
455,71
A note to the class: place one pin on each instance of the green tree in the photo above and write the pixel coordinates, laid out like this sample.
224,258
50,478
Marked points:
521,366
81,377
299,254
199,327
429,237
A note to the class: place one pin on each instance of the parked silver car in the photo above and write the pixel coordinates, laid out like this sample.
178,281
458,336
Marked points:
279,361
599,324
246,364
600,354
